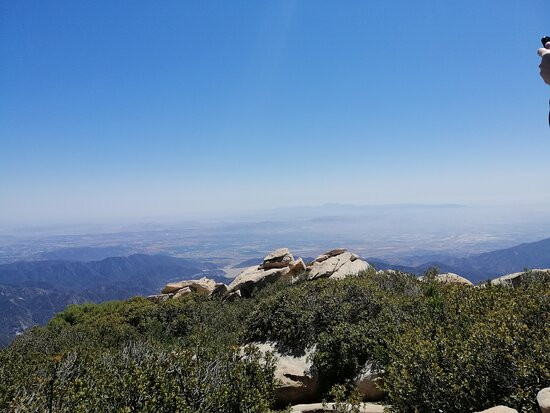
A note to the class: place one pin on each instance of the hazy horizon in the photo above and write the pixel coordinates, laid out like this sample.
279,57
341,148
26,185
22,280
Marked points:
283,213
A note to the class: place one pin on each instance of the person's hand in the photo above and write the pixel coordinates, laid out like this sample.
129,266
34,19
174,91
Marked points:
544,50
544,53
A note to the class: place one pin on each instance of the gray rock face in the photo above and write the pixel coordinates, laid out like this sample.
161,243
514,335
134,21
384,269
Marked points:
543,399
336,264
297,382
277,264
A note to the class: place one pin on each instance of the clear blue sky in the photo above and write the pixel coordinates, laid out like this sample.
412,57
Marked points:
143,108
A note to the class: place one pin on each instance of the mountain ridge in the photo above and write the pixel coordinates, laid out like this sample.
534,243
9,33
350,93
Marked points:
31,292
487,265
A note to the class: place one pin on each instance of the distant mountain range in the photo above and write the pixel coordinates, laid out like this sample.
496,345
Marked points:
481,267
31,292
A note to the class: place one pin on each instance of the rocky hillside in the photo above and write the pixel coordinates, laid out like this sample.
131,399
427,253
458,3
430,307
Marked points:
332,334
335,264
280,264
298,380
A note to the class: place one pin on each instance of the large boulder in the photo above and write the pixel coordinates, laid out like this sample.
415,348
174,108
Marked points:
159,298
543,399
336,264
330,407
452,278
254,278
516,278
370,384
298,267
204,285
499,409
275,265
277,259
183,291
297,382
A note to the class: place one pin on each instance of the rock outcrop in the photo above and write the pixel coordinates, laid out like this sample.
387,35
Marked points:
159,298
330,407
298,383
280,258
276,265
543,399
452,278
370,384
499,409
203,285
513,280
255,277
298,267
336,264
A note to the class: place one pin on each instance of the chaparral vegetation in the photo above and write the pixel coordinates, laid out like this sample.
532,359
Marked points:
439,348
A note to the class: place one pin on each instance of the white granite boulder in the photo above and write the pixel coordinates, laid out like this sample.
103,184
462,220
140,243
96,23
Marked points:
275,265
205,285
277,259
370,384
296,381
182,291
336,264
452,278
543,399
499,409
516,278
254,278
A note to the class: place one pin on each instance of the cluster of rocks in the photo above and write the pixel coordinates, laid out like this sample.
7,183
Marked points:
299,383
299,386
509,280
515,279
181,288
335,264
543,399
